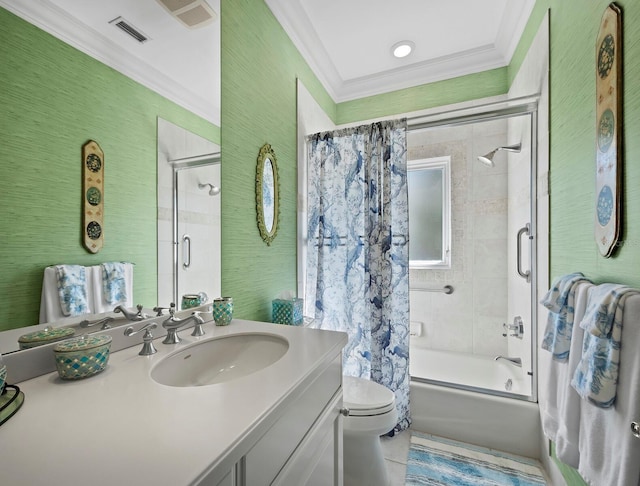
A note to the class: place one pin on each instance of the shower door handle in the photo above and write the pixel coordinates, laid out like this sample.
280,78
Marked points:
186,251
524,274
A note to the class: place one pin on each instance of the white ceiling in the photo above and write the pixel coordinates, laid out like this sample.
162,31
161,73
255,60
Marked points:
347,43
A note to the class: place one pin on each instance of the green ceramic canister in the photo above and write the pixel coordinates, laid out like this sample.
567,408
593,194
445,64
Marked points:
222,311
190,300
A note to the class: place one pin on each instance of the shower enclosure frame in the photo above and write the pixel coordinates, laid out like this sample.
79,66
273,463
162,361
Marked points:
522,106
177,166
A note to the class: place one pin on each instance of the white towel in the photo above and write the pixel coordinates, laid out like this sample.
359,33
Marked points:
596,376
609,453
72,289
559,403
50,309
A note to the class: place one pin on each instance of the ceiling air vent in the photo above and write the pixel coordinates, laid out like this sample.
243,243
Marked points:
191,13
129,29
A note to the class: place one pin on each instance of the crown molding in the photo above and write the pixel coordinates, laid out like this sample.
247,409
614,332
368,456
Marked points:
294,20
515,19
69,30
461,63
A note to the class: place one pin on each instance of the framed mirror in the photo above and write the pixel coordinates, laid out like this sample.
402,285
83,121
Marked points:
267,193
429,186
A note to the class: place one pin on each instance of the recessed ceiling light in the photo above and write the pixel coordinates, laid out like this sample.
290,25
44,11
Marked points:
402,48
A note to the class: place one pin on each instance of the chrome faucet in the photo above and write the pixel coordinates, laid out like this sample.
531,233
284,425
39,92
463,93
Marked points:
514,361
131,316
517,327
172,324
104,321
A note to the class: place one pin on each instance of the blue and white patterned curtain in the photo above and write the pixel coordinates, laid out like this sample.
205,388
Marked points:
358,251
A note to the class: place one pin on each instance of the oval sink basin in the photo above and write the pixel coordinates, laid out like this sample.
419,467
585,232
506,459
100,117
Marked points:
220,360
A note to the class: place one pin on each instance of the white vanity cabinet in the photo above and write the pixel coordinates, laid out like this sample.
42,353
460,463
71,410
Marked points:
278,425
303,446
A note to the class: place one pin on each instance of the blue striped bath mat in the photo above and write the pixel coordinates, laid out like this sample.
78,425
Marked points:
442,462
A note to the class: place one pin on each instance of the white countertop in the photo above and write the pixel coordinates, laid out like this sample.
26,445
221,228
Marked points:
120,427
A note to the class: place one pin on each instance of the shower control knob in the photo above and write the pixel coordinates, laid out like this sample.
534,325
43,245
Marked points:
635,429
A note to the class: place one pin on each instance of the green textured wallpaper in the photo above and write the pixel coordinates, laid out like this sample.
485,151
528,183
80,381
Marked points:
259,70
54,98
574,27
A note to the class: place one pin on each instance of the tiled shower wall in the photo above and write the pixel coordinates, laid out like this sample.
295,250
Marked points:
470,319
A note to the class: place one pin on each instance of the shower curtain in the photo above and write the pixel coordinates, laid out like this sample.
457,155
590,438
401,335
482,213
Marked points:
358,252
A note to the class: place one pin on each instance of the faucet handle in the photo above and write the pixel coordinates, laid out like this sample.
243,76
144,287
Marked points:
160,310
517,327
198,322
147,339
141,315
104,321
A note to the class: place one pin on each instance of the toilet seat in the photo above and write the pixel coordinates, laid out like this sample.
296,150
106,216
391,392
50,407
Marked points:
365,398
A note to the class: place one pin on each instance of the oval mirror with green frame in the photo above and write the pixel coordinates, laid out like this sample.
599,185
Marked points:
267,193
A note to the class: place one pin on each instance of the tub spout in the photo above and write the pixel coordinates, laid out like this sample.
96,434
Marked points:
515,361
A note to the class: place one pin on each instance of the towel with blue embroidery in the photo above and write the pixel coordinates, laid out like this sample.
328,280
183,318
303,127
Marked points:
596,376
114,286
560,302
72,289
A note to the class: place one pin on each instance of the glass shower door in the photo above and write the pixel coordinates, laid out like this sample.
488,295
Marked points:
197,232
469,314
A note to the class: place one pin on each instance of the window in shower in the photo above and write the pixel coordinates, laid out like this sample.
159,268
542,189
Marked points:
429,186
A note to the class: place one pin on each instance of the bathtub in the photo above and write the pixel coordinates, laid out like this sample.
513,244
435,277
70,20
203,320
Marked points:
469,371
479,410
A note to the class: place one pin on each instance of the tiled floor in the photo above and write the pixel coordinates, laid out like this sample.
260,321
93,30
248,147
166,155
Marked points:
396,450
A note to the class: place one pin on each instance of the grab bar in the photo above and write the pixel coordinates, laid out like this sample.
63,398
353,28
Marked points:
525,275
447,289
186,251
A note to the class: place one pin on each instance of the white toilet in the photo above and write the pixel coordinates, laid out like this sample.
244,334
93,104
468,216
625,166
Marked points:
372,413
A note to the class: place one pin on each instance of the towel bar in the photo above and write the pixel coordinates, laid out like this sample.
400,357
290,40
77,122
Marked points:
447,289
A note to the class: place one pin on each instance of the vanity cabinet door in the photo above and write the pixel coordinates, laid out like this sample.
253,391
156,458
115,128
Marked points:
267,458
318,459
228,480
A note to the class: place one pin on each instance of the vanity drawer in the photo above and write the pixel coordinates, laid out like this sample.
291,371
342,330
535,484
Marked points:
272,451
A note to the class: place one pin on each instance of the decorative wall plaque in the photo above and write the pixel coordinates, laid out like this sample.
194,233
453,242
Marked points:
93,196
608,131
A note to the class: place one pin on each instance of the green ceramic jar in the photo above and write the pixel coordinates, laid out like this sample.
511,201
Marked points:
82,356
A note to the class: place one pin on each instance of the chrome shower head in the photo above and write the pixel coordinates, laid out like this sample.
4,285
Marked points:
488,158
214,191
